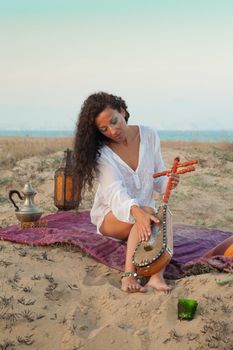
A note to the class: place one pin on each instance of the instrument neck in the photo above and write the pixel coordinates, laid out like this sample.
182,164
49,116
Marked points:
169,182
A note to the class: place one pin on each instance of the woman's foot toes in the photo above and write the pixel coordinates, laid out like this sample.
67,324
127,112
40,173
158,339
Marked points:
157,282
129,284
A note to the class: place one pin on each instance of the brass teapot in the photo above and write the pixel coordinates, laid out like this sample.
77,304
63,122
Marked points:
28,212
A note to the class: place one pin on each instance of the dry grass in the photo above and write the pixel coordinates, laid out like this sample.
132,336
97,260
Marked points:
204,146
13,149
209,154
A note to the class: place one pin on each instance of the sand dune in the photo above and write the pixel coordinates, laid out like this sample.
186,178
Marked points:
59,298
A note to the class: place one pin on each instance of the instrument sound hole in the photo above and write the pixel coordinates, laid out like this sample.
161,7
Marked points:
148,247
155,231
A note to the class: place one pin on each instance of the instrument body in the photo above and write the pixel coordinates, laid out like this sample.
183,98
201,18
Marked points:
152,256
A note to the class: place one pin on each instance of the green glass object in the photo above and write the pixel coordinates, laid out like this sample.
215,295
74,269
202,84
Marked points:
186,308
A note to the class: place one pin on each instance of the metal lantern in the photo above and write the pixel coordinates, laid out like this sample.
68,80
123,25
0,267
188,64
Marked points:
65,186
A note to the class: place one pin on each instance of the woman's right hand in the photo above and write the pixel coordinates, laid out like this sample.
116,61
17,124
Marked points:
143,222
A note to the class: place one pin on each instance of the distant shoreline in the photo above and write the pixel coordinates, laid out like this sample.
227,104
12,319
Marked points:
165,135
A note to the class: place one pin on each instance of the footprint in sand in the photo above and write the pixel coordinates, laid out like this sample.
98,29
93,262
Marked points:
80,322
97,277
114,338
83,327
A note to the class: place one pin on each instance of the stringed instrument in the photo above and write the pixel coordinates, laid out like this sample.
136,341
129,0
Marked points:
152,256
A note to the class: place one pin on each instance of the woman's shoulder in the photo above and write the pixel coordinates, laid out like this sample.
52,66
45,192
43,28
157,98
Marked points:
149,131
103,152
105,155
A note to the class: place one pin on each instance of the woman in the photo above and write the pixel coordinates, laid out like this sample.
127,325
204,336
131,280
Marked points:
123,158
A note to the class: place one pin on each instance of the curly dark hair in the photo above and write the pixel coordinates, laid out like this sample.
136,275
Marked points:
89,140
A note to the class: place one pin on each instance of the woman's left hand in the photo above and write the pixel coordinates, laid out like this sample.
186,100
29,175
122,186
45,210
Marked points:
175,180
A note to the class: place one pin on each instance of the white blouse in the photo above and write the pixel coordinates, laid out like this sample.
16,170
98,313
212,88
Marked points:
120,186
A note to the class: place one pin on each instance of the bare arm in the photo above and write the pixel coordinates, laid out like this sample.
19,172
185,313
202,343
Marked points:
143,221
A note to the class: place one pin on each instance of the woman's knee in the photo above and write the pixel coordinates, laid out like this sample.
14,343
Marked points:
113,227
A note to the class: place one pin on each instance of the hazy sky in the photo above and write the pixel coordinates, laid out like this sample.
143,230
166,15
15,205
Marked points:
171,60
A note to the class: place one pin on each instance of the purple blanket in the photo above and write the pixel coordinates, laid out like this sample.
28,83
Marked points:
190,242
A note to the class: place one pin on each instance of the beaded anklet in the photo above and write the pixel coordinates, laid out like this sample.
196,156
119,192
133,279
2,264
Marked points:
128,274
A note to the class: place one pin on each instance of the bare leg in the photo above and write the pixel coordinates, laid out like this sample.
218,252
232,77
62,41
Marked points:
130,284
114,228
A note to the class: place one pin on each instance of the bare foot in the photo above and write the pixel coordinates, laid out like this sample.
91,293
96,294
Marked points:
157,281
129,284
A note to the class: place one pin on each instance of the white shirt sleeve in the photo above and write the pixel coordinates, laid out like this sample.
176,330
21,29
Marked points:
161,182
114,192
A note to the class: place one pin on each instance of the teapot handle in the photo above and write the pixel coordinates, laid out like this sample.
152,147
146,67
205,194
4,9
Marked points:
11,199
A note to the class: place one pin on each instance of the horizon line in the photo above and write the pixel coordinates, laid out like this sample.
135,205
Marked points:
72,130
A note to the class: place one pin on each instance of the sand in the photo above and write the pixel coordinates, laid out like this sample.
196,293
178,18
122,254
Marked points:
59,298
